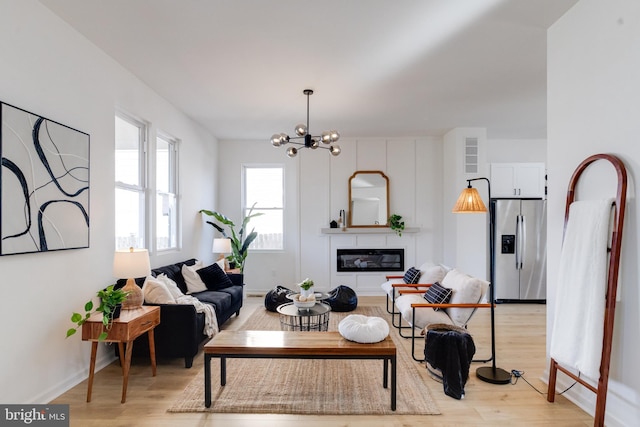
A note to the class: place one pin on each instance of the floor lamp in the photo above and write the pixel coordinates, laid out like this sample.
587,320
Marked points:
470,202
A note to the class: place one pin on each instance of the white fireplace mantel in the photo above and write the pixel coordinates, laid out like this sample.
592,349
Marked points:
367,230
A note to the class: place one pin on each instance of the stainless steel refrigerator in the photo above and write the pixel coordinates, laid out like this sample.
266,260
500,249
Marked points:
520,253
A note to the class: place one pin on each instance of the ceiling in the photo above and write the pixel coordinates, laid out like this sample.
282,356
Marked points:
384,68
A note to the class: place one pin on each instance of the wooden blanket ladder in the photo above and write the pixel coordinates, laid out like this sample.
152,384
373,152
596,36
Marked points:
612,281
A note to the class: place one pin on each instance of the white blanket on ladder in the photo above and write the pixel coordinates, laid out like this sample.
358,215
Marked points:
578,325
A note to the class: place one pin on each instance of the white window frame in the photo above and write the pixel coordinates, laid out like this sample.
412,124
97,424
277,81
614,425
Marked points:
244,208
140,189
174,190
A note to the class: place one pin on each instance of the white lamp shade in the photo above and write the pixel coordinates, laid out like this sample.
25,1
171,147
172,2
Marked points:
221,246
131,263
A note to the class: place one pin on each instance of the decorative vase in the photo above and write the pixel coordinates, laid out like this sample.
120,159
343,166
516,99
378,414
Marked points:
135,298
306,292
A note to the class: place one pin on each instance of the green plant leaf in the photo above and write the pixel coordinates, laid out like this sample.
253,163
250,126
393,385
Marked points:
76,317
70,332
102,336
88,306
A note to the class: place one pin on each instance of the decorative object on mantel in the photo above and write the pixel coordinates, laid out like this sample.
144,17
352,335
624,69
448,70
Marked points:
44,196
396,224
333,224
307,140
239,242
130,264
110,302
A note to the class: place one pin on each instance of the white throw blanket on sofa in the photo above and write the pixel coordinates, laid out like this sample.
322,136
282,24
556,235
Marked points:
578,325
210,320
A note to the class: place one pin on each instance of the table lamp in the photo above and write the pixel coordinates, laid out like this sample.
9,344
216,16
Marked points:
129,264
222,246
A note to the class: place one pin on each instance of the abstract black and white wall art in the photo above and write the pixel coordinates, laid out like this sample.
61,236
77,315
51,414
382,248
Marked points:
44,184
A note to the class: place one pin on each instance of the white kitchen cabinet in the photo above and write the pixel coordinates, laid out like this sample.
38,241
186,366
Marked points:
518,180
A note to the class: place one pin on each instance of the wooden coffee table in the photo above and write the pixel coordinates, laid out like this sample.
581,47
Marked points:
294,345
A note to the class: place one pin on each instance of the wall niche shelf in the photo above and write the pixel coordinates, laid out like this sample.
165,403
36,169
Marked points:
367,230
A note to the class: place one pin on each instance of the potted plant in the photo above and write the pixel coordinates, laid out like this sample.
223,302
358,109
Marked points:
305,287
396,224
239,241
110,302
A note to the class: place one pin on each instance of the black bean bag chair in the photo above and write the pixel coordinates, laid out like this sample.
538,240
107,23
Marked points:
342,298
276,297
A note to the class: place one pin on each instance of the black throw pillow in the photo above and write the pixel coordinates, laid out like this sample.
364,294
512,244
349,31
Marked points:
214,278
411,276
437,294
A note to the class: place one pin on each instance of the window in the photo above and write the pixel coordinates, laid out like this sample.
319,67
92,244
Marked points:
130,165
264,187
166,193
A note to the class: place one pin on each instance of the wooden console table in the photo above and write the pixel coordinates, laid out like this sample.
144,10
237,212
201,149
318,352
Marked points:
129,326
294,345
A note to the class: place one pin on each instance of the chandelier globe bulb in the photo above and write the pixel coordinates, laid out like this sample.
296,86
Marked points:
301,129
292,152
326,137
275,140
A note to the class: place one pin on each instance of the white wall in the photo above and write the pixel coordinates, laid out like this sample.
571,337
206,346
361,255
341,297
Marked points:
49,69
593,92
317,188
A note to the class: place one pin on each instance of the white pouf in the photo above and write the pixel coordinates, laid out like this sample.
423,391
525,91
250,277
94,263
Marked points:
363,329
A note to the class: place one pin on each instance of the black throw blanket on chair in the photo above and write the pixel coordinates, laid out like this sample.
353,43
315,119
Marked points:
450,349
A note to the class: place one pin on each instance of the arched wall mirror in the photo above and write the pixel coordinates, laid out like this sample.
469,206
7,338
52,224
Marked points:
368,199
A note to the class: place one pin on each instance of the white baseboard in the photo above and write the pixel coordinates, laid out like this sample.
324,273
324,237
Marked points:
623,408
52,393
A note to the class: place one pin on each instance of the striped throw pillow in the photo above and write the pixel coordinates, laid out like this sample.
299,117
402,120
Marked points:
411,276
437,294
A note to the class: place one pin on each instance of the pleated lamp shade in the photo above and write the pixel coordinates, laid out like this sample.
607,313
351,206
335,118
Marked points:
129,264
469,201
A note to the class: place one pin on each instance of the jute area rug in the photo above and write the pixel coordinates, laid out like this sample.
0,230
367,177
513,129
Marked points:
297,386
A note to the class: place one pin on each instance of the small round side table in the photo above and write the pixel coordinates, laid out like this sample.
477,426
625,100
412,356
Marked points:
314,318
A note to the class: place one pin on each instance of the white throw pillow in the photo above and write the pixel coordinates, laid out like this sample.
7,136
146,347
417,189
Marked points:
221,263
363,329
192,278
155,292
431,273
466,290
171,286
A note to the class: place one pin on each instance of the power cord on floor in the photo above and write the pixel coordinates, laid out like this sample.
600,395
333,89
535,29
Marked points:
516,375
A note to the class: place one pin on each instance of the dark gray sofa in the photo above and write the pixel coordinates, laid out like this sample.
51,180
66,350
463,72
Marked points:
180,332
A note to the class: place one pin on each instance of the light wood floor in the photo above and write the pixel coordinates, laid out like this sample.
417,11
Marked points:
520,344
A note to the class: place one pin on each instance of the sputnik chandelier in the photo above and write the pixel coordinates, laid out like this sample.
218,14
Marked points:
305,139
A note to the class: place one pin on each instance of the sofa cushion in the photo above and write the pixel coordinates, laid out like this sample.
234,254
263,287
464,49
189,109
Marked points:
174,272
192,278
220,300
424,316
214,278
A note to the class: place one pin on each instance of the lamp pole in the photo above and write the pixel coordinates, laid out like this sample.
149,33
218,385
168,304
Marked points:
491,374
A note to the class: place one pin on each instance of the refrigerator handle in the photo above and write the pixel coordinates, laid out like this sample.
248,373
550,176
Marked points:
520,242
517,242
